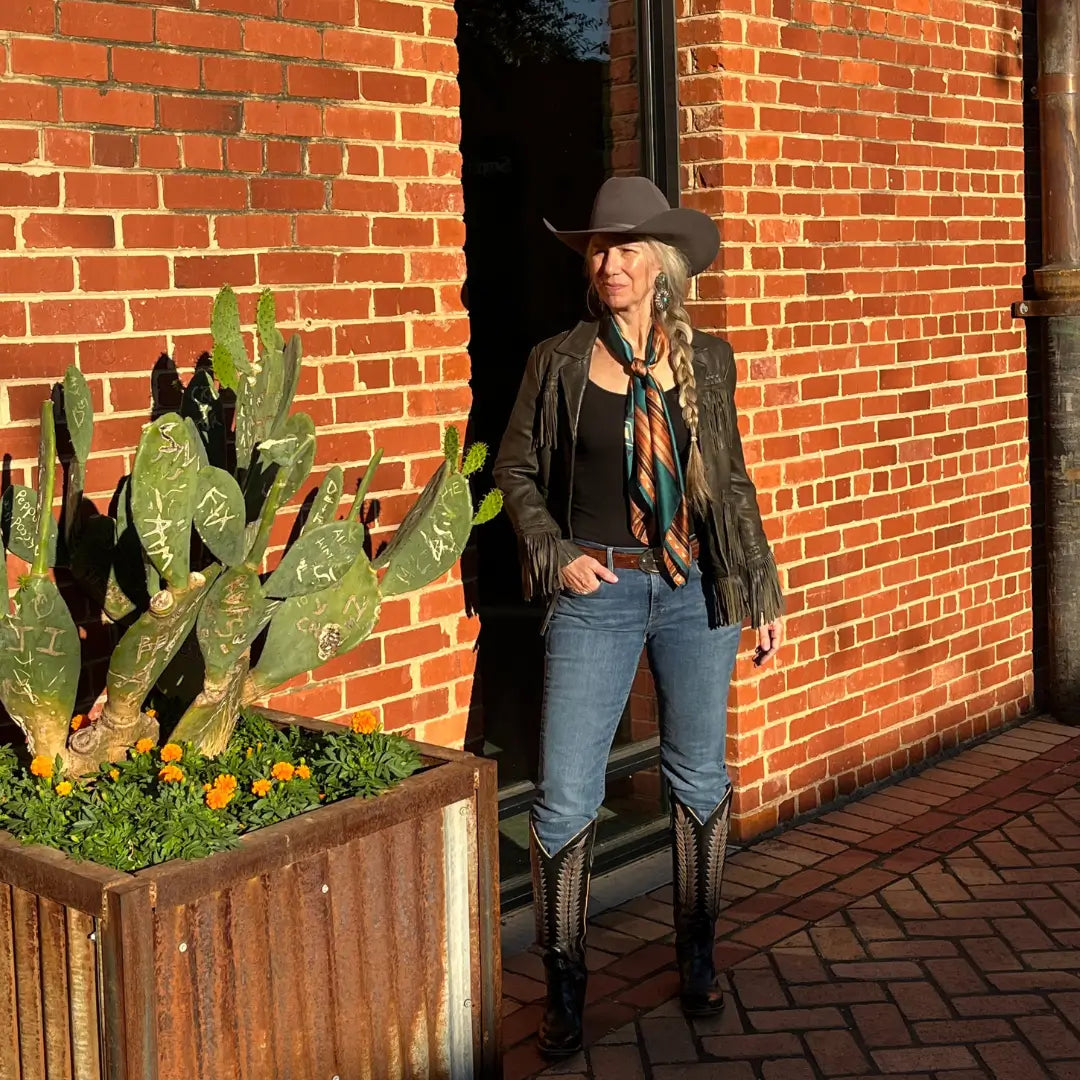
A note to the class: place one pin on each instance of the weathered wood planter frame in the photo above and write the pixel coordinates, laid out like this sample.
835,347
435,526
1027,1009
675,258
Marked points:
357,941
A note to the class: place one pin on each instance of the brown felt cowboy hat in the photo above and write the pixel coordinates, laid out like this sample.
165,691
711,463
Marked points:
634,205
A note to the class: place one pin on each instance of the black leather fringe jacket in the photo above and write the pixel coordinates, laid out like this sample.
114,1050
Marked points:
535,470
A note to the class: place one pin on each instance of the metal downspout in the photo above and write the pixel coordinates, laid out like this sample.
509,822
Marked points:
1057,300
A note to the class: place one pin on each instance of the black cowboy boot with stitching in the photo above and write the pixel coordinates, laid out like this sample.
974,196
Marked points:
560,897
698,860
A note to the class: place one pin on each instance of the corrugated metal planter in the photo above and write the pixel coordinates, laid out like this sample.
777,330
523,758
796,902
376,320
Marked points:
357,941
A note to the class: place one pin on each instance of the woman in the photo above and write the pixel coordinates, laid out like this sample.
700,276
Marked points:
623,475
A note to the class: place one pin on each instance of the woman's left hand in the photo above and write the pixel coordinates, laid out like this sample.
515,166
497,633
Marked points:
770,638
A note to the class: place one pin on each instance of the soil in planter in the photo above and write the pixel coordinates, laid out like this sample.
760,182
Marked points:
173,802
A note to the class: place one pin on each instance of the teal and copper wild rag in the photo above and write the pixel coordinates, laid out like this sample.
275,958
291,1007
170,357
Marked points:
658,505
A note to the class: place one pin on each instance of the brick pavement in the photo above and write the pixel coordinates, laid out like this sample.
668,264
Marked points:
927,931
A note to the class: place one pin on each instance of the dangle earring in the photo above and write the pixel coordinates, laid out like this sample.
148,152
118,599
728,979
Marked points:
661,293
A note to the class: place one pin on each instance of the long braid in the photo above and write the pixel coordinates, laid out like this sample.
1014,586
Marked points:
675,324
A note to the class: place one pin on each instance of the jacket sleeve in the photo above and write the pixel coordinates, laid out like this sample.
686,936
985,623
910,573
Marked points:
765,597
542,549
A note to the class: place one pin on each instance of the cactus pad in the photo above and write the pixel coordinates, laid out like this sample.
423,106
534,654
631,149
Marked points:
78,412
219,515
306,631
231,616
19,522
433,535
318,560
164,487
324,505
39,671
211,718
229,356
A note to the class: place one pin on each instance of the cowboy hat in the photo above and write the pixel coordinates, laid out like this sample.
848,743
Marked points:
634,205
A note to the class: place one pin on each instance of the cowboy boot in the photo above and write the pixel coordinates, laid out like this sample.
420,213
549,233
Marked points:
560,897
698,860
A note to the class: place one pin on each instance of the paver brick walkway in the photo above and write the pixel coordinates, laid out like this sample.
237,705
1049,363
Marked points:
929,931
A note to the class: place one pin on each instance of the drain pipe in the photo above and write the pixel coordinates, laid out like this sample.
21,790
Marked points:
1057,304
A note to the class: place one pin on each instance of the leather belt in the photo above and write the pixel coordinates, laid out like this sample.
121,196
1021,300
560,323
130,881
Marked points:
651,560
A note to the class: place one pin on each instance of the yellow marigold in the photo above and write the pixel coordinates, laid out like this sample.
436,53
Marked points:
171,774
144,746
303,772
114,773
365,722
64,788
261,787
171,752
78,721
218,798
225,782
42,766
283,771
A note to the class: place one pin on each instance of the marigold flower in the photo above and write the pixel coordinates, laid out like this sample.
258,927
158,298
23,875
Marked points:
171,752
261,787
365,722
283,770
152,713
64,788
114,773
249,752
218,798
144,746
303,772
78,721
225,782
42,766
171,774
208,787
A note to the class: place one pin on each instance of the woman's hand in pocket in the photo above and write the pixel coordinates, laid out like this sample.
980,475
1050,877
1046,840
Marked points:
584,574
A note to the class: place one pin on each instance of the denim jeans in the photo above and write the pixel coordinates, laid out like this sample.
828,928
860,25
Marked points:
592,649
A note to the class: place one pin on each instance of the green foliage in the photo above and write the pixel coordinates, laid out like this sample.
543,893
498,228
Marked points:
321,601
452,446
129,815
474,459
490,506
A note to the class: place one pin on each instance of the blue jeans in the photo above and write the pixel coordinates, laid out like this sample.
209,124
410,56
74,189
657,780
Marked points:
592,650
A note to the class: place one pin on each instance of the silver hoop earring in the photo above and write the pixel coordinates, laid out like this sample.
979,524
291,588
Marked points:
661,293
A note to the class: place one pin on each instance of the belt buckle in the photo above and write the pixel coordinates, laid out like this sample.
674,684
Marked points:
647,561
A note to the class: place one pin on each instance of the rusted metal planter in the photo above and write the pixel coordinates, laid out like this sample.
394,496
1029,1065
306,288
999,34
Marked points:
357,941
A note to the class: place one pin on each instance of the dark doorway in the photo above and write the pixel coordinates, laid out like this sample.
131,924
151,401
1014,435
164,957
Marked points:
550,107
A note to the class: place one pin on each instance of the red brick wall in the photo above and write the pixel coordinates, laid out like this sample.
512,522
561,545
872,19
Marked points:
152,152
864,161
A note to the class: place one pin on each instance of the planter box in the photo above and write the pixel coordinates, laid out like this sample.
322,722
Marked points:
360,940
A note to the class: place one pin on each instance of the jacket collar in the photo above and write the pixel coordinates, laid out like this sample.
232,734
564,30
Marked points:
578,343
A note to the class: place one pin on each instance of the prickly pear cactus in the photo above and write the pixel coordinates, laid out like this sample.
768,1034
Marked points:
184,554
41,655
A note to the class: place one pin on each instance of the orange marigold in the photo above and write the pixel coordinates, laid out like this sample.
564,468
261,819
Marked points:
171,774
283,770
261,787
365,722
303,772
171,752
64,788
218,798
144,746
225,782
42,766
152,713
78,721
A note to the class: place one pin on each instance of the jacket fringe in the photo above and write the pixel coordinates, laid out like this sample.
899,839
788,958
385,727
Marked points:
766,598
549,414
543,555
731,602
713,419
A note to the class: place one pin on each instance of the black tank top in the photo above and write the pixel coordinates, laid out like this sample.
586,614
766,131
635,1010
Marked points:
600,509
